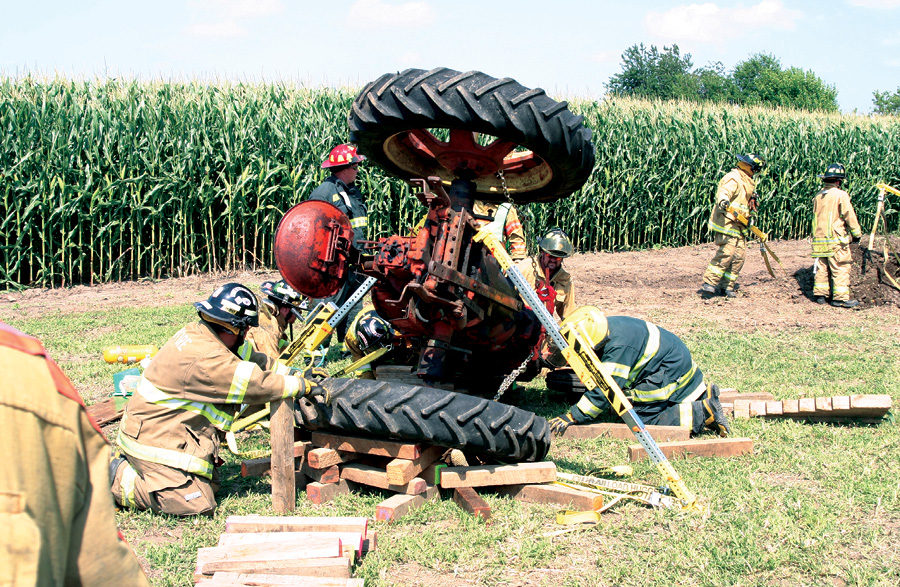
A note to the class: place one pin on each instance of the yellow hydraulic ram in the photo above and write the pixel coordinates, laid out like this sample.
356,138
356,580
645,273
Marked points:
581,357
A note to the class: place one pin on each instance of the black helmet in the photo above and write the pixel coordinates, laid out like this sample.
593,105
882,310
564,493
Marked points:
753,160
556,242
232,307
371,330
834,171
284,295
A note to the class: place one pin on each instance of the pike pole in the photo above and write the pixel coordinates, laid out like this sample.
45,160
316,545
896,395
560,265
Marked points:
579,353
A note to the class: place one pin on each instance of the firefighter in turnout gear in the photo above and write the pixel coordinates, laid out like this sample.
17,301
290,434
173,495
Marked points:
367,333
736,190
554,286
340,190
57,518
652,366
186,401
834,226
508,227
281,306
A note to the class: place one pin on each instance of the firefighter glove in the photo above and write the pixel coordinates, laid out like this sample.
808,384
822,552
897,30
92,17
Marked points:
316,373
753,204
313,390
559,424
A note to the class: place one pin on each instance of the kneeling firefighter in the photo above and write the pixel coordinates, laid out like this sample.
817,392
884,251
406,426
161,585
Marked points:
366,334
652,366
186,401
280,308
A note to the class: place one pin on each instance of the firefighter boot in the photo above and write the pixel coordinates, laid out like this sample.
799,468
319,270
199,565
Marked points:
708,291
713,415
845,304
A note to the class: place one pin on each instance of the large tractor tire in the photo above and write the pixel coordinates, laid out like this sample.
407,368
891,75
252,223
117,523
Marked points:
418,413
544,150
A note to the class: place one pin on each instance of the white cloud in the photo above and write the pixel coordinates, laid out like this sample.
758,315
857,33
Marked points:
606,57
225,19
372,14
883,4
708,23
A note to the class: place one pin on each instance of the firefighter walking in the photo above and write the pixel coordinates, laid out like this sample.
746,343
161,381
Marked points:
186,401
834,226
552,282
652,366
736,190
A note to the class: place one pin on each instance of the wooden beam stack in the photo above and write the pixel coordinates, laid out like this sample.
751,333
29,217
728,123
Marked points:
861,408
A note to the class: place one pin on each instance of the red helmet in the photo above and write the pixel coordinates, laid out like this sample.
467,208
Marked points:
342,155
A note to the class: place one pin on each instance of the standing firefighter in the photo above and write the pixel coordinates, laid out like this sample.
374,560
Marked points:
280,308
554,284
186,402
737,190
834,225
506,223
340,190
652,366
57,518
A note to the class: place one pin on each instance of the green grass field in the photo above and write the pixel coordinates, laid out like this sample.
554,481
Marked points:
815,504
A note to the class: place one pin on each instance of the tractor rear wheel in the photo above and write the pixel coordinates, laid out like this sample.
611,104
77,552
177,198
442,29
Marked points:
469,126
418,413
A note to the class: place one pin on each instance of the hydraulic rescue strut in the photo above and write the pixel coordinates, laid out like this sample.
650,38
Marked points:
579,353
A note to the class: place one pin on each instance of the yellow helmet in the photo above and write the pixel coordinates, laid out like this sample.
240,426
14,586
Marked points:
590,321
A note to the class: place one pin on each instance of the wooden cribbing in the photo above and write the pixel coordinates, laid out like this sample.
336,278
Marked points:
712,447
399,373
354,539
320,458
257,523
610,430
369,446
867,407
564,497
109,410
225,579
259,557
281,427
402,471
469,501
262,466
375,477
327,475
320,493
491,475
314,567
397,506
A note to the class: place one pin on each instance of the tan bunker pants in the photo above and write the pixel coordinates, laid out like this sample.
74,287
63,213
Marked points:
725,267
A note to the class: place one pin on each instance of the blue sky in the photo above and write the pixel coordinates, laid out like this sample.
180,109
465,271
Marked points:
568,48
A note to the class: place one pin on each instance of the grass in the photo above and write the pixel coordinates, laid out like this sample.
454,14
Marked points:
815,504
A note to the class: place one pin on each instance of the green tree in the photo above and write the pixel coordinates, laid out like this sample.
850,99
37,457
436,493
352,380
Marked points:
761,80
887,102
651,73
713,84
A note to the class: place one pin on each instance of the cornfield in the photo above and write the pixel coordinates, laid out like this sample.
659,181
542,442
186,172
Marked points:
103,181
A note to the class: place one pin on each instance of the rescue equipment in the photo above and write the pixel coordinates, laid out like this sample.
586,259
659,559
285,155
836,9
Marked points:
879,215
131,353
762,236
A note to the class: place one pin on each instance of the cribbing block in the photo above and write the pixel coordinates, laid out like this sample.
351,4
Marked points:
402,471
397,506
492,475
321,458
369,446
611,430
226,579
557,495
258,523
469,500
714,447
376,477
319,493
327,475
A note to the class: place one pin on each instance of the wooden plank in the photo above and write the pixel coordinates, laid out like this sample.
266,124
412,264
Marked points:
370,542
320,493
109,410
741,409
732,396
469,500
256,557
790,406
369,446
807,404
376,477
314,567
262,466
614,430
399,373
870,403
397,506
263,580
492,475
823,404
840,402
281,427
354,539
774,408
757,408
402,471
327,475
321,458
564,497
714,447
258,523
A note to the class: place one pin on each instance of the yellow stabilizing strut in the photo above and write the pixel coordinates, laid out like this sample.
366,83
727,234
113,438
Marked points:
762,236
581,357
361,362
867,255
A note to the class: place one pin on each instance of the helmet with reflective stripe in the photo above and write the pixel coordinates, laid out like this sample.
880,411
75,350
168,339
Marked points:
281,294
834,171
232,306
556,242
587,319
342,155
753,160
369,330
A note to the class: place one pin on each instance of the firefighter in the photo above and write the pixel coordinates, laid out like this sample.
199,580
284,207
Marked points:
652,366
507,227
57,516
279,309
340,189
554,285
186,402
367,333
736,190
834,226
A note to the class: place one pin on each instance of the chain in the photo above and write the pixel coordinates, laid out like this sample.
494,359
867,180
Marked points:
512,377
539,275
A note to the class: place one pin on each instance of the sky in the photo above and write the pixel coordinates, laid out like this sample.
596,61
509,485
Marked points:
568,48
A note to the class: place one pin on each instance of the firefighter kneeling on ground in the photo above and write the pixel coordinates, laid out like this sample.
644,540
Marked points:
554,286
652,366
185,403
280,308
366,334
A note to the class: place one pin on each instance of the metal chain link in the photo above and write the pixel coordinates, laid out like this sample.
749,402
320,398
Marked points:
509,379
537,274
